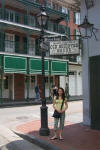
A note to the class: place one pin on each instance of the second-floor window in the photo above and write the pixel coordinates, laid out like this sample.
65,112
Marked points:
32,21
77,18
9,43
32,46
10,15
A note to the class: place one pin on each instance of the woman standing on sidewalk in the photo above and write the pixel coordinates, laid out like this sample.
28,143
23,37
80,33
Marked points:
57,102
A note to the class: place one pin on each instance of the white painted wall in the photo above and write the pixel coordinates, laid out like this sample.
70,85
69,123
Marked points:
91,47
62,81
75,81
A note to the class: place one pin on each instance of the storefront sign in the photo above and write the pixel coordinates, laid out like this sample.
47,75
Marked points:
64,47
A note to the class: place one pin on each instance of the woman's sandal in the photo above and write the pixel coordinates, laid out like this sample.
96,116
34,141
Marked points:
61,138
53,138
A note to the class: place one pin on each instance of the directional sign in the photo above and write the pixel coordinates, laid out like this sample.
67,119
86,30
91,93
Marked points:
44,46
64,47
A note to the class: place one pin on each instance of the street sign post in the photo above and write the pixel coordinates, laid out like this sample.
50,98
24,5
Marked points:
64,47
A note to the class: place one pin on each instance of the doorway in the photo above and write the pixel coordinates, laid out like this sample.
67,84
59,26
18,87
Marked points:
95,92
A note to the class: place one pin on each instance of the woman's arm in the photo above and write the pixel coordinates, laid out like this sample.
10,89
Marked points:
66,106
54,106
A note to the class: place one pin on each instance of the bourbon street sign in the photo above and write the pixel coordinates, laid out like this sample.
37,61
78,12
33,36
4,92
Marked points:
64,47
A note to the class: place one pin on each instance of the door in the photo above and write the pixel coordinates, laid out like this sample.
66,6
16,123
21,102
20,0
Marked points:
95,91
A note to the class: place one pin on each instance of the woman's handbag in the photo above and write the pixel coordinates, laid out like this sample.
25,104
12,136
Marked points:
56,114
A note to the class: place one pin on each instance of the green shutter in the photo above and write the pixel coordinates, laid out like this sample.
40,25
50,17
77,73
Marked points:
75,34
37,46
17,18
17,43
68,15
25,45
55,27
2,41
25,19
74,17
68,32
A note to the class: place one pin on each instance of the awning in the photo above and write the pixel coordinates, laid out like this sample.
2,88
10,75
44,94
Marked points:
59,67
30,65
15,64
36,66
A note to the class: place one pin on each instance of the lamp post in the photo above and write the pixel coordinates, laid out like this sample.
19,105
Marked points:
44,130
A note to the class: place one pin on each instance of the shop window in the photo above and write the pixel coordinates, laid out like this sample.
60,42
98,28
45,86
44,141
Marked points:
51,80
46,79
6,82
71,73
33,79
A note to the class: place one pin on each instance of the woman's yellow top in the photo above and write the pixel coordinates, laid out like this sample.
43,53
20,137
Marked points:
58,103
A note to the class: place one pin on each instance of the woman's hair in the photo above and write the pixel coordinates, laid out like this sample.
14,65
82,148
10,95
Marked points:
63,93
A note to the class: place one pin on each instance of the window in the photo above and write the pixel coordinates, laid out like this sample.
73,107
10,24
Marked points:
71,73
9,43
64,10
33,79
32,46
51,79
32,21
10,15
54,6
76,33
5,82
49,5
46,79
77,18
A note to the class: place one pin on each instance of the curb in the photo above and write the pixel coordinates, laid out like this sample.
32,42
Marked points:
41,143
19,104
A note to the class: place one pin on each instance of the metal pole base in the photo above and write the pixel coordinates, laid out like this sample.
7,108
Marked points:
44,130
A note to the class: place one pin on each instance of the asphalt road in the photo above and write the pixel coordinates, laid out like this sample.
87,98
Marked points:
13,116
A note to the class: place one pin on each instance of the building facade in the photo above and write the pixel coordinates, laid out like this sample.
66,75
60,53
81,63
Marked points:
20,58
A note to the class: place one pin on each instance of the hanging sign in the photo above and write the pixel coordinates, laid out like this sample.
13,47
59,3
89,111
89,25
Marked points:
64,47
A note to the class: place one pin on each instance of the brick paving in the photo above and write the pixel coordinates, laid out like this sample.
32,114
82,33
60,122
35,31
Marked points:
76,136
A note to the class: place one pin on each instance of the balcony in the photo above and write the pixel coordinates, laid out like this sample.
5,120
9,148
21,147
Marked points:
16,47
52,11
54,27
31,21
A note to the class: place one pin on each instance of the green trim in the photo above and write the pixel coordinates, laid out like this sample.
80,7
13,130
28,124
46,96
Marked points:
56,12
33,4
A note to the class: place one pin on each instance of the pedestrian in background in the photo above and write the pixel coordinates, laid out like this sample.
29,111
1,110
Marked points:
66,91
57,102
55,89
37,94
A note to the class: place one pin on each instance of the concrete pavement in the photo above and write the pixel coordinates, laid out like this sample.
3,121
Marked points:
11,141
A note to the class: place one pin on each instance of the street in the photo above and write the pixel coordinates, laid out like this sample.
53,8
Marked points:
11,117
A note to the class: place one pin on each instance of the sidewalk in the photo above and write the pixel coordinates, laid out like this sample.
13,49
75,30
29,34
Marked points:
76,136
11,141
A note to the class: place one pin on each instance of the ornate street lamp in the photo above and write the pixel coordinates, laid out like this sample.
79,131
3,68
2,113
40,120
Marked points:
88,29
42,20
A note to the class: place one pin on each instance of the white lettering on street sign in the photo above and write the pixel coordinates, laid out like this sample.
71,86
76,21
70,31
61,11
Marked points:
64,47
